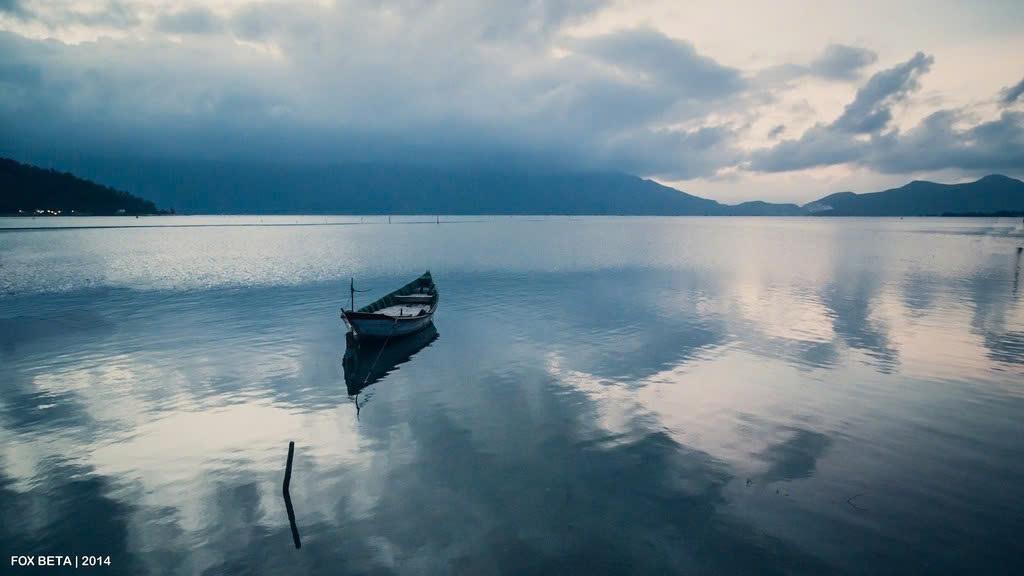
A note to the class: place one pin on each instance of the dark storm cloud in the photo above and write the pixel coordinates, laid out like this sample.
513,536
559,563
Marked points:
647,56
1010,94
192,21
365,83
674,154
841,62
440,82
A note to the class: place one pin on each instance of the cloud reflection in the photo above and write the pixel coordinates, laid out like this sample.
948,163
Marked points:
602,417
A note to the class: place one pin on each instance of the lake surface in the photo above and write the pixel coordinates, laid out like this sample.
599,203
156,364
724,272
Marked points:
603,395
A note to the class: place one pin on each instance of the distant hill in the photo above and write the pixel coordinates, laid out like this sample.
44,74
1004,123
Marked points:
226,188
26,189
759,208
991,194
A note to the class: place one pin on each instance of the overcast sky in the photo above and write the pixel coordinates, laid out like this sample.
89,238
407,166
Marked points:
780,101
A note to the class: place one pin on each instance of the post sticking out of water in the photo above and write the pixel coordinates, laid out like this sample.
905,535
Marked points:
288,467
352,293
438,219
288,496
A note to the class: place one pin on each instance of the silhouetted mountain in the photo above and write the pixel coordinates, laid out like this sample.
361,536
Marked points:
223,188
759,208
991,194
220,188
28,189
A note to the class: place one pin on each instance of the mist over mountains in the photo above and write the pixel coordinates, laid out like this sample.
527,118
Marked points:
224,188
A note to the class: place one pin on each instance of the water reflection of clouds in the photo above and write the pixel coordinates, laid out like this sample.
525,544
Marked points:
920,290
595,498
922,335
622,324
702,405
795,457
47,515
607,413
849,300
168,422
779,321
917,333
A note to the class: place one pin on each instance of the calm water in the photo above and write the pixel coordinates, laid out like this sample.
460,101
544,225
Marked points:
605,395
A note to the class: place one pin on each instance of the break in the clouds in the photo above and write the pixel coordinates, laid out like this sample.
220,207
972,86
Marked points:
558,83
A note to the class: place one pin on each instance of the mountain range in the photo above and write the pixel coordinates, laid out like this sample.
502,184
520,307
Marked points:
991,194
220,188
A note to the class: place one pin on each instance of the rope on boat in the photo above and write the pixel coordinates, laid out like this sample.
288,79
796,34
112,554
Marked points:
394,325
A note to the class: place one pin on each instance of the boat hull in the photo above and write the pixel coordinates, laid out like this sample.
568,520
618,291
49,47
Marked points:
381,326
404,311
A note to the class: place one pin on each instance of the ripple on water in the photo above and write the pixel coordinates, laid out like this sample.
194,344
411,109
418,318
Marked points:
604,395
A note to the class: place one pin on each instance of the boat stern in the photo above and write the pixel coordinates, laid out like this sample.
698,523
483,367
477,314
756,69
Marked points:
348,325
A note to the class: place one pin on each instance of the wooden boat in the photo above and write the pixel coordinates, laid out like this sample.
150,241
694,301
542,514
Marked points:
404,311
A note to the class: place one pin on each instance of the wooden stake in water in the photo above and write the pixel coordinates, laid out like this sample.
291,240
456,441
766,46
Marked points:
288,497
288,466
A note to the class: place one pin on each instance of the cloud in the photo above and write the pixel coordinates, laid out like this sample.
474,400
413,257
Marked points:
196,20
109,14
841,62
819,146
448,82
871,111
252,22
936,144
860,136
837,62
675,154
645,55
114,14
13,7
1010,94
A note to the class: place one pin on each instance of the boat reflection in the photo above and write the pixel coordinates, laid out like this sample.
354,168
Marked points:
367,362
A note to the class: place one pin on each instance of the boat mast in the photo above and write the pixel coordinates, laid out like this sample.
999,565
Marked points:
352,292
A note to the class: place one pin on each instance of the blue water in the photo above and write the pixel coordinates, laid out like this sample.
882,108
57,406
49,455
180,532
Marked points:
604,395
